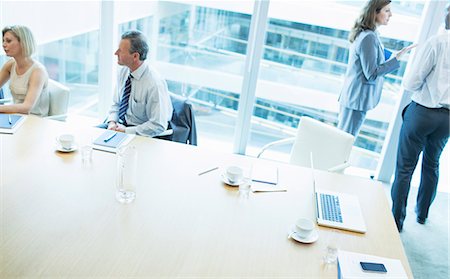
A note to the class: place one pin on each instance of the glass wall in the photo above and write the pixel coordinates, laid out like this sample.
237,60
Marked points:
305,60
201,49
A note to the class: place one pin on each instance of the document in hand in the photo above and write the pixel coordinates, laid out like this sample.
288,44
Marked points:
9,123
387,54
110,141
349,266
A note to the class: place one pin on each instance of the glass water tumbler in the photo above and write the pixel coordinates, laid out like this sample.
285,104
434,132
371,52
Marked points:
126,174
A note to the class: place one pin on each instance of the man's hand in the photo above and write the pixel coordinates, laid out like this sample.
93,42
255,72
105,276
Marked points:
120,128
112,125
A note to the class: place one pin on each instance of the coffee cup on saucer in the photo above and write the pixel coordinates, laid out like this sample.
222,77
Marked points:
66,141
304,227
234,174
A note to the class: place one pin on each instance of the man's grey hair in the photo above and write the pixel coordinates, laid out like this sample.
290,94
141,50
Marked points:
138,43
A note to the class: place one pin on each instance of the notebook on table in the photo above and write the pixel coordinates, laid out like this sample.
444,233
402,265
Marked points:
9,123
110,141
265,179
337,210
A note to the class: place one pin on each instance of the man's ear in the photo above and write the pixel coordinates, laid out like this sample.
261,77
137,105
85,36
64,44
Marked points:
136,56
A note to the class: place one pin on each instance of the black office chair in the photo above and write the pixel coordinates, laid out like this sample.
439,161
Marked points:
182,123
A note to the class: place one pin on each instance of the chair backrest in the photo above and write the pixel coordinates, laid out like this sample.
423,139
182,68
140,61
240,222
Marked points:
329,145
183,121
59,98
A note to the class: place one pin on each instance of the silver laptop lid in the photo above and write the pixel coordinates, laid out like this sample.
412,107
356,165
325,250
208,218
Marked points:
355,221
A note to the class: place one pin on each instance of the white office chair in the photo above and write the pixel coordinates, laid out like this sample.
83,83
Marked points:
330,146
59,100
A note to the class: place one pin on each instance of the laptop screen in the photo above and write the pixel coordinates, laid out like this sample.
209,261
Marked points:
316,205
351,209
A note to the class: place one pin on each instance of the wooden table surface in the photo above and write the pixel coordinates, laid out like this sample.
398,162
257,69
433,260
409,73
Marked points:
60,219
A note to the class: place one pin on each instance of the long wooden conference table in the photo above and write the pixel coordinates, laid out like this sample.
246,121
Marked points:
59,218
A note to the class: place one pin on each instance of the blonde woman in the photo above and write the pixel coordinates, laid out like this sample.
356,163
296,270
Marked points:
367,66
27,77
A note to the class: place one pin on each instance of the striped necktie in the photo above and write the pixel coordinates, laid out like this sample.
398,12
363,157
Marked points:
124,100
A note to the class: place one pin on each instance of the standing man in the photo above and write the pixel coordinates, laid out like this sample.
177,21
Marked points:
425,125
141,105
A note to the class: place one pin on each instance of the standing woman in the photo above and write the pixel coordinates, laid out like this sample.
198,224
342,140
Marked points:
28,78
367,66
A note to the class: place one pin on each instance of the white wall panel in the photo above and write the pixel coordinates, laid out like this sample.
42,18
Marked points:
52,20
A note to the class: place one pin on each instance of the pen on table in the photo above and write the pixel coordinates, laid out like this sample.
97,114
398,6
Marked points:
110,137
9,119
206,171
264,181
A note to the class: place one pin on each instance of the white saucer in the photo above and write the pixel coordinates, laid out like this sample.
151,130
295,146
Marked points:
61,149
225,180
310,239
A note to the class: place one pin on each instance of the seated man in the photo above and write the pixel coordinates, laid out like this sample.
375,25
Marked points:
141,103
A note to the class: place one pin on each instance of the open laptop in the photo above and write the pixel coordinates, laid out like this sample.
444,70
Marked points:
337,210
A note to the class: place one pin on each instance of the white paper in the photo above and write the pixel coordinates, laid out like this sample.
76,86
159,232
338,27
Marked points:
264,187
349,264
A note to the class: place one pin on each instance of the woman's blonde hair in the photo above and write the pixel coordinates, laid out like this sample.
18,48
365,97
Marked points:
367,18
24,36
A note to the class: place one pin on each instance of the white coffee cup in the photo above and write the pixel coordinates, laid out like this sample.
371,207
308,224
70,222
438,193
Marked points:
304,227
66,141
234,174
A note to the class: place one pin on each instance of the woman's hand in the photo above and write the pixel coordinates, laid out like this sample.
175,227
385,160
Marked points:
404,50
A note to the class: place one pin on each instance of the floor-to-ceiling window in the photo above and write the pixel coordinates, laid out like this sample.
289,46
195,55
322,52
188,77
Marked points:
304,62
201,48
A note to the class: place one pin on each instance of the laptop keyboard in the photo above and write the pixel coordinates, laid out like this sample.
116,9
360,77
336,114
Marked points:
331,209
